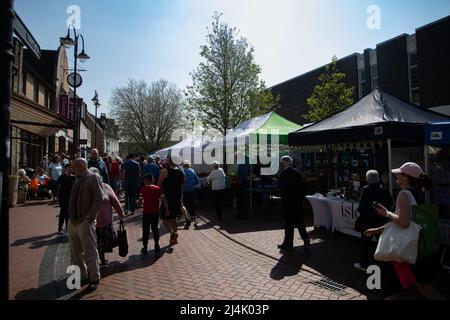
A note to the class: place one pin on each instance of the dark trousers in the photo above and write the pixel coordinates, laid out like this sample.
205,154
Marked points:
147,221
366,251
189,202
64,212
294,217
218,201
130,197
241,200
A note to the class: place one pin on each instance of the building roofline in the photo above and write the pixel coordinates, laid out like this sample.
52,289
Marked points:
314,70
392,39
433,23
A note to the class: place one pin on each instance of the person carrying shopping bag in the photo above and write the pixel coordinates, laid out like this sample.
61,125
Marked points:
421,260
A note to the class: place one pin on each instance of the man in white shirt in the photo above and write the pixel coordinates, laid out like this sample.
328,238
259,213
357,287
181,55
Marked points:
218,186
55,169
64,159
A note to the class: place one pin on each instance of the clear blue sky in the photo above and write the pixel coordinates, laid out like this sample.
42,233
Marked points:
152,39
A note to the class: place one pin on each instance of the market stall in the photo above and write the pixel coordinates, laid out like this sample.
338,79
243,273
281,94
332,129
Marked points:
190,149
378,132
335,214
270,130
437,147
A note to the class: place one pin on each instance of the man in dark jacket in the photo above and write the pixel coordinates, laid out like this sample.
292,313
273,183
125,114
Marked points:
131,176
293,193
373,192
64,186
98,163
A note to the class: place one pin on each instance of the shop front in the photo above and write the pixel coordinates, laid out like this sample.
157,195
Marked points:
31,127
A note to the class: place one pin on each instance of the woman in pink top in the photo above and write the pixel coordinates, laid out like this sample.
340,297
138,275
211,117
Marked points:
105,227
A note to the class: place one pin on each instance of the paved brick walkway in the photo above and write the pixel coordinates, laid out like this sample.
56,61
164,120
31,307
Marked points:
230,260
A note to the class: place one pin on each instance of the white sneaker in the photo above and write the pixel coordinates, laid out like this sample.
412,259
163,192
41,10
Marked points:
357,266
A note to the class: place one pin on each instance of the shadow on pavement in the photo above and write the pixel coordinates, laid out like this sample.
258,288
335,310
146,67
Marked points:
333,257
21,242
289,265
137,261
34,203
45,243
49,291
82,293
262,220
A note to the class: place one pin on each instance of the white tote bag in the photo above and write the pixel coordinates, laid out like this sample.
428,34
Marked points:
398,244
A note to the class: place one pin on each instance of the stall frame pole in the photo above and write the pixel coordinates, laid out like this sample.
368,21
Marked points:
391,181
427,171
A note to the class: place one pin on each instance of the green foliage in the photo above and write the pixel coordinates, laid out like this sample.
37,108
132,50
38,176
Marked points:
331,95
226,88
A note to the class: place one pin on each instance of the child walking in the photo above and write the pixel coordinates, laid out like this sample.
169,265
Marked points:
150,195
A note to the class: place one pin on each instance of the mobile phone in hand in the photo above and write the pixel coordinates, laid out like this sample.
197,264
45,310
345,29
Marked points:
376,205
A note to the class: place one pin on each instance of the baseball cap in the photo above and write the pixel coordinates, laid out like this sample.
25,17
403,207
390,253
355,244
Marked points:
176,159
186,163
410,169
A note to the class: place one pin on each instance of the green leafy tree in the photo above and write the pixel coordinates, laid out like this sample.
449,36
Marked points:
226,88
331,95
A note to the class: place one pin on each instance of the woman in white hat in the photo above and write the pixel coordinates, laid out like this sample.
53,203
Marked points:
413,182
218,186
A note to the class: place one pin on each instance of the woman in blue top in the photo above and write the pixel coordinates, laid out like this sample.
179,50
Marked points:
192,180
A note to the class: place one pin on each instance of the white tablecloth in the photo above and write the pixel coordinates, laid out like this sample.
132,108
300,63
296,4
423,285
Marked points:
335,214
322,213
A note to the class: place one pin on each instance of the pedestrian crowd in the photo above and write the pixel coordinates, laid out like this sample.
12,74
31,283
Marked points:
88,191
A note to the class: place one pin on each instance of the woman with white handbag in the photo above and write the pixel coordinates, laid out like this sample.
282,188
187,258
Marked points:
398,245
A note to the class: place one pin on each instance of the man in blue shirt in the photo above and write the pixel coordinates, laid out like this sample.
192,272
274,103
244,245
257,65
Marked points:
189,188
151,167
98,163
131,176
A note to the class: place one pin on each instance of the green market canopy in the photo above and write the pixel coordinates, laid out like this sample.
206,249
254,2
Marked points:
259,129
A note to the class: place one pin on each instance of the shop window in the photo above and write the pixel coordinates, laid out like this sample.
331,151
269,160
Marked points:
62,145
47,99
415,96
361,82
374,76
414,83
36,91
24,83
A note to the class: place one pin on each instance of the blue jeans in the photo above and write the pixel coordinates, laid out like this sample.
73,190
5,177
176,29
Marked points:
115,185
130,197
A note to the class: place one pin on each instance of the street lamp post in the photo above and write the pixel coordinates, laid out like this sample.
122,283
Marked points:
68,42
6,58
96,104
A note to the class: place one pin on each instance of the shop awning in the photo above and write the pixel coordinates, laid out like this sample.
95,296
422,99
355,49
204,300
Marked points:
377,116
33,118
